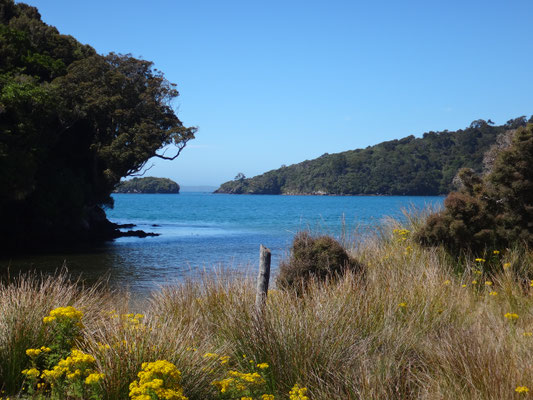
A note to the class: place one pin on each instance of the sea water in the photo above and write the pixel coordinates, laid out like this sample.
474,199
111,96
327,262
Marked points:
204,232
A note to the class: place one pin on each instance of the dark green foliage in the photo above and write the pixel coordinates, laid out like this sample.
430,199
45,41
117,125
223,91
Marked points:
494,211
314,258
72,124
409,166
148,185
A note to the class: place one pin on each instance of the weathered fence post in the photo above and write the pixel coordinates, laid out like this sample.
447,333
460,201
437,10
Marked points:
263,278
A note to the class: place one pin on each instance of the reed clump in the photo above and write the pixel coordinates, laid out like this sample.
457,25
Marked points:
419,324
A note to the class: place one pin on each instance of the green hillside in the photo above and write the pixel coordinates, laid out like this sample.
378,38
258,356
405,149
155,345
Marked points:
408,166
148,184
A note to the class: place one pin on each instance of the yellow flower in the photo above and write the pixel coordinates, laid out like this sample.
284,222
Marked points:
488,283
224,359
159,378
401,232
94,378
267,397
493,294
511,316
506,265
496,252
298,393
474,282
239,382
210,355
103,347
223,384
480,260
463,285
477,272
447,282
262,366
522,389
63,313
402,305
253,377
74,375
33,352
527,334
31,373
530,283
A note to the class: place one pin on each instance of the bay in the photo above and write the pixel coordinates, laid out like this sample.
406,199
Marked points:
201,232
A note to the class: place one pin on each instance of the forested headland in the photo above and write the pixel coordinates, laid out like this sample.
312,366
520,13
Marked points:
148,184
72,124
408,166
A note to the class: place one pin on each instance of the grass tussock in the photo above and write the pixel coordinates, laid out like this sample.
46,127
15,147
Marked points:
418,325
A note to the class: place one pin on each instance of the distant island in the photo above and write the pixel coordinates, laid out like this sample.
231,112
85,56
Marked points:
148,185
410,166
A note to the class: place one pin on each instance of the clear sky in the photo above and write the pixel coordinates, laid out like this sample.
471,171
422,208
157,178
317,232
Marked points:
278,82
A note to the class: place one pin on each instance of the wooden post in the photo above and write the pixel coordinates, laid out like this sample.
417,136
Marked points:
263,277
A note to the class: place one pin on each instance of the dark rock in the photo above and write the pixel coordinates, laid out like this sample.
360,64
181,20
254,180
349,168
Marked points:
126,226
138,233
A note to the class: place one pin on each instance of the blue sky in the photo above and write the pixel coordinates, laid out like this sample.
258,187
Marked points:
278,82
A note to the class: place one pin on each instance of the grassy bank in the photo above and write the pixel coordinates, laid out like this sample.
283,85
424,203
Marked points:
417,324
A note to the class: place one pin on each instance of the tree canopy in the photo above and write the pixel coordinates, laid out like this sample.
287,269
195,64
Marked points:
72,124
408,166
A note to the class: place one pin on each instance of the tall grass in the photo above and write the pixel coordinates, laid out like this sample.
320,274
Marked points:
414,326
24,301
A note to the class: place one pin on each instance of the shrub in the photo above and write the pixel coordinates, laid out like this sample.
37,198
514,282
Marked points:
494,211
314,258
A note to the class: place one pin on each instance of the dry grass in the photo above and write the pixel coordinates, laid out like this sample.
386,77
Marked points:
348,339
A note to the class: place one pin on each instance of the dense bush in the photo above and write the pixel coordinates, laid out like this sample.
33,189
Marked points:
314,258
493,211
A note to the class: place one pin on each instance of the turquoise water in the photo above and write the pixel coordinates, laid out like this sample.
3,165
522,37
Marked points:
201,231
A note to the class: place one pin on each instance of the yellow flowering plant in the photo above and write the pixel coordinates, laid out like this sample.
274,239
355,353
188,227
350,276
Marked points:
511,316
401,235
58,370
254,385
65,327
522,389
158,380
298,393
74,377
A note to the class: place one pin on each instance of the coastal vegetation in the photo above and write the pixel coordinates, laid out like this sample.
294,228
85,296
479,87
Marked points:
148,184
493,210
72,124
408,166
